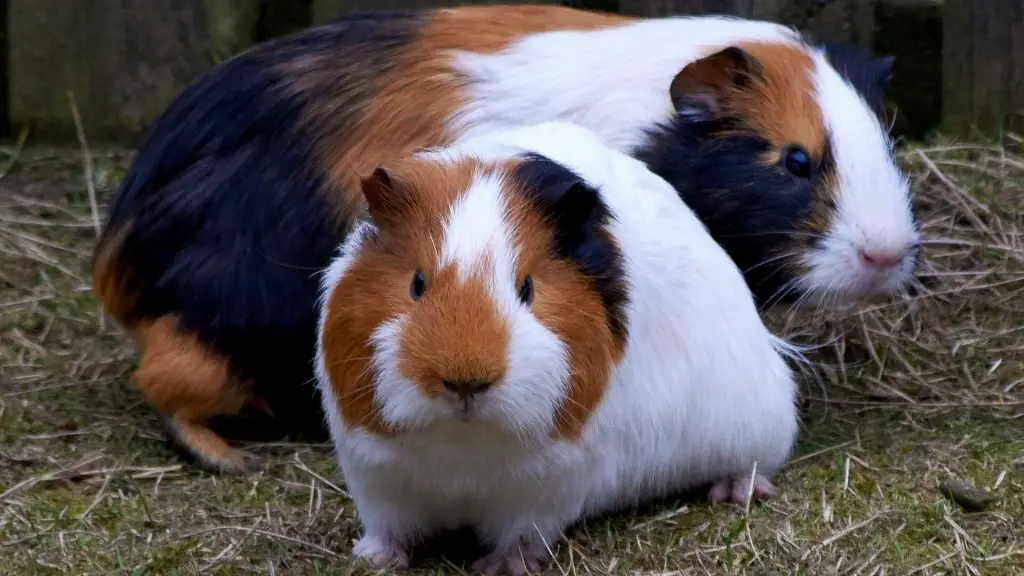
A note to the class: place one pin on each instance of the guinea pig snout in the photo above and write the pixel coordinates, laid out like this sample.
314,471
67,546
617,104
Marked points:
455,341
879,258
884,258
466,388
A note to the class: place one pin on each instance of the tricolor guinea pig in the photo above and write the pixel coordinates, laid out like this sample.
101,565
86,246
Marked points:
529,328
252,175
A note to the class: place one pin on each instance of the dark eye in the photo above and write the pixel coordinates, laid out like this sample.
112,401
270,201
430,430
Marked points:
798,163
419,285
526,291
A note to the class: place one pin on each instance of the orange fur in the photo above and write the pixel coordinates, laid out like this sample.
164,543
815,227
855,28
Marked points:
454,333
107,281
566,303
189,383
773,95
407,105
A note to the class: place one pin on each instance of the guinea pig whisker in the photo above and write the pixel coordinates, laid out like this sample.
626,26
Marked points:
773,259
782,292
820,308
349,360
776,233
357,393
291,266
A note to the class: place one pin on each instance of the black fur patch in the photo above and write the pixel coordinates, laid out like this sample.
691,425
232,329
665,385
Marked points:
750,209
580,220
231,218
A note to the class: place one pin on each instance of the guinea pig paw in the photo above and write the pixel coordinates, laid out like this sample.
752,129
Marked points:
381,553
515,562
734,489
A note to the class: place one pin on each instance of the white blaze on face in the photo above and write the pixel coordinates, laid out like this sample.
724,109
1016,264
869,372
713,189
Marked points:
872,240
478,241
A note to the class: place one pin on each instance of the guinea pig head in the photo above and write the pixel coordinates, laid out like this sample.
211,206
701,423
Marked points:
782,150
478,292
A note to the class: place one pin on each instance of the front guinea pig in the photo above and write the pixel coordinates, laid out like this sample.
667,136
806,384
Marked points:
781,150
533,328
462,338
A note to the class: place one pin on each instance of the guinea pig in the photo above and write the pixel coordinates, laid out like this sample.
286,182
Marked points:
251,177
529,328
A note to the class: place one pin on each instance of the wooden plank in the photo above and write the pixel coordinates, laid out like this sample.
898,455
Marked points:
124,60
1015,119
280,17
849,21
231,25
957,64
328,9
911,30
983,55
5,126
660,8
990,72
836,20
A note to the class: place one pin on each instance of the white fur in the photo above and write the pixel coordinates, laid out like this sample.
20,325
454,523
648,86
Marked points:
873,208
701,394
615,81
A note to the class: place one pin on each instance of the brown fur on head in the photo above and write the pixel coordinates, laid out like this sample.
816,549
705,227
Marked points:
467,300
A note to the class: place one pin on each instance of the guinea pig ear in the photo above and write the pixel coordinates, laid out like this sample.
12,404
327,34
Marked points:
384,199
701,89
575,208
567,200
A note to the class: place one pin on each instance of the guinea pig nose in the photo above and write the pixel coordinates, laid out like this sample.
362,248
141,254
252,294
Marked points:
880,258
466,388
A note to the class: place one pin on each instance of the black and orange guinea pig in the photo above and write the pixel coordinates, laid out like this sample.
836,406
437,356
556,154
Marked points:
250,178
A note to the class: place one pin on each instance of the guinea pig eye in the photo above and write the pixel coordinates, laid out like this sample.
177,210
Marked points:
798,163
419,285
526,291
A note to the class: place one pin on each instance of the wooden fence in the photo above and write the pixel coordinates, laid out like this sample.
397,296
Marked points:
959,63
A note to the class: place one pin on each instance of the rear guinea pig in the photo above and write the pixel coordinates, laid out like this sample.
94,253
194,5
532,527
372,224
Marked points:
251,177
530,328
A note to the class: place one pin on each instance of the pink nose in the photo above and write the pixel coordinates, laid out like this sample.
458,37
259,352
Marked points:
880,258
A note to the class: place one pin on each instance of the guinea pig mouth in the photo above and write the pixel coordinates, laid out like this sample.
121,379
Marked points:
466,409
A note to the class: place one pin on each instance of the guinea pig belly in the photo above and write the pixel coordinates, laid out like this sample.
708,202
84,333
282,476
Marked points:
419,484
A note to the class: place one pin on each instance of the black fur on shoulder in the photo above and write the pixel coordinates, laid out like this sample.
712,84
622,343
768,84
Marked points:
229,216
580,219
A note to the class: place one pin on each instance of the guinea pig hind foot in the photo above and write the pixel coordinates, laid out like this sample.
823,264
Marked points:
737,488
196,442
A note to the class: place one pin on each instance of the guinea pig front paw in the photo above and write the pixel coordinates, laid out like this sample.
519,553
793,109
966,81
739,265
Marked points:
381,552
736,488
517,561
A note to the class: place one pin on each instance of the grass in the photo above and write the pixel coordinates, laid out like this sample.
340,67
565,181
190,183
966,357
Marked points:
904,395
